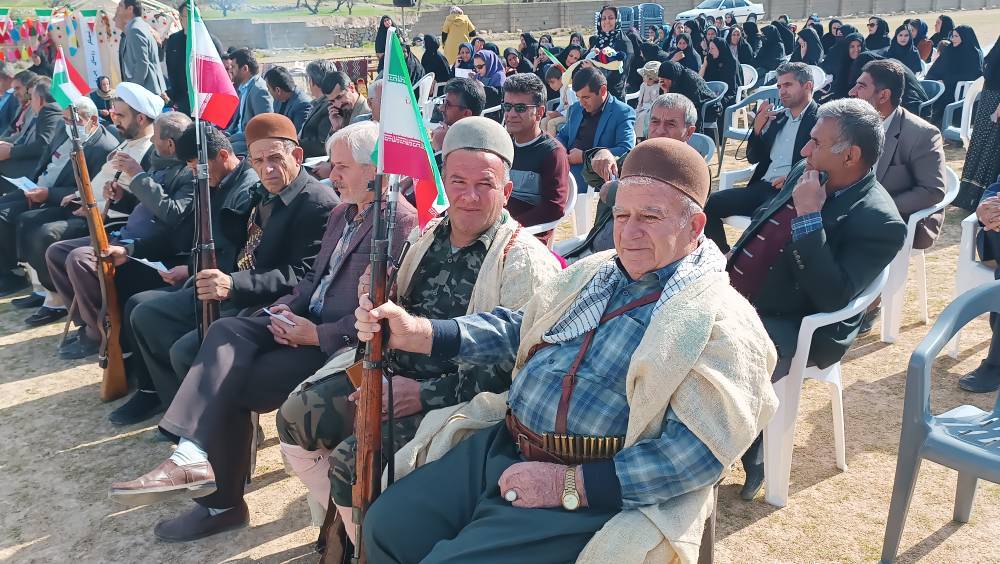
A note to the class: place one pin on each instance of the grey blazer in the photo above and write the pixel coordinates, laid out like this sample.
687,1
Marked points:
911,169
138,57
294,108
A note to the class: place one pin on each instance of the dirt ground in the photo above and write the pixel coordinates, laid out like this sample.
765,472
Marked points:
58,455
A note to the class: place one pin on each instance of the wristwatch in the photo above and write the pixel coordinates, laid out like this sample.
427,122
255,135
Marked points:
570,497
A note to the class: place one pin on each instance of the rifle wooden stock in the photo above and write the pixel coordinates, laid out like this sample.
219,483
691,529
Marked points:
113,386
368,417
208,310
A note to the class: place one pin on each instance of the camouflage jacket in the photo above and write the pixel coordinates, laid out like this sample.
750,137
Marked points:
441,289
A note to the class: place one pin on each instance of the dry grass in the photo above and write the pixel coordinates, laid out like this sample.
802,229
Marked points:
58,454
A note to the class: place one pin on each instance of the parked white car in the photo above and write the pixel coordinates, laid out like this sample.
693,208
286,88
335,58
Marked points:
717,8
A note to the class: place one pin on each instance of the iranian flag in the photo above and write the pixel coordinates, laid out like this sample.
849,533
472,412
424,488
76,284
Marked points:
211,93
67,84
553,58
404,146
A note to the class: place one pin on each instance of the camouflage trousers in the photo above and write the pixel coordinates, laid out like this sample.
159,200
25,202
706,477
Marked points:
319,416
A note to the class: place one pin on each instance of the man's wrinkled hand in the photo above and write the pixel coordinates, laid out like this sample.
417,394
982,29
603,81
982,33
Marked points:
124,163
405,397
809,195
302,333
117,254
37,195
113,191
213,284
778,183
176,275
406,332
537,484
604,164
988,213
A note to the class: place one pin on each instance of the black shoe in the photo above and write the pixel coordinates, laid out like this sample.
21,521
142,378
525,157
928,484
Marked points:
28,302
11,284
71,338
140,407
82,347
869,320
754,482
44,316
982,380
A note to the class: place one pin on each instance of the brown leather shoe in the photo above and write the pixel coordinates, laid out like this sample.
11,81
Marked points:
166,481
197,523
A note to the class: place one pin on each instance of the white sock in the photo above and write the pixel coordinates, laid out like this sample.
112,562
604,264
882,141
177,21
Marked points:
188,453
213,511
52,300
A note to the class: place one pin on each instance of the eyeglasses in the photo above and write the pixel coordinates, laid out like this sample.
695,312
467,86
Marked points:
872,25
447,104
517,108
480,67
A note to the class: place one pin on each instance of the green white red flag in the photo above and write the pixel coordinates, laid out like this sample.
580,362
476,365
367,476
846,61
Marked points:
210,90
67,84
404,146
553,59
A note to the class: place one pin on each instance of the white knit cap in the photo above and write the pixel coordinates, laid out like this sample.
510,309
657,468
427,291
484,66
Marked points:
479,133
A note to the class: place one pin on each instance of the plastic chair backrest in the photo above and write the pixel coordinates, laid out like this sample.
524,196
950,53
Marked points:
765,93
934,89
971,96
819,77
704,145
750,76
720,88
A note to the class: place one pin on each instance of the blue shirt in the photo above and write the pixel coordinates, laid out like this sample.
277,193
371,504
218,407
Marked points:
648,472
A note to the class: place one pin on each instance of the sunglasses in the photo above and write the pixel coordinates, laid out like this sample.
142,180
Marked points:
480,67
517,108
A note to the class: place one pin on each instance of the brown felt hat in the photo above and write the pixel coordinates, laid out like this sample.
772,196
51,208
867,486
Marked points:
270,126
672,162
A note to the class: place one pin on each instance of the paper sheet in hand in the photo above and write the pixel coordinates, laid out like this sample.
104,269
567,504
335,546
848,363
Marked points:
157,266
22,183
465,73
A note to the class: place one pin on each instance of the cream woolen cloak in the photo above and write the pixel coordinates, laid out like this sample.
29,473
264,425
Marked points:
705,353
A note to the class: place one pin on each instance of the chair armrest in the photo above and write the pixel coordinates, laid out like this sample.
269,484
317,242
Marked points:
542,227
967,242
729,179
811,323
567,245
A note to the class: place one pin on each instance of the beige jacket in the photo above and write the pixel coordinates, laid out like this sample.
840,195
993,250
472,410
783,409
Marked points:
706,354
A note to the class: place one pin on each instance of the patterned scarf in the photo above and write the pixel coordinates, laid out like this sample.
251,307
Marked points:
586,311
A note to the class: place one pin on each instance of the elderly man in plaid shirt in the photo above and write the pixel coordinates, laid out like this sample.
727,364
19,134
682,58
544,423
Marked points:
640,375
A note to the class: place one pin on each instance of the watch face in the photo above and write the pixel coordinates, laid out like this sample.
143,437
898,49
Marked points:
570,501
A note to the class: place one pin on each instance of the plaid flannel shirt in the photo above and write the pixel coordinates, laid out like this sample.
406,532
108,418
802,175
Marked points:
648,472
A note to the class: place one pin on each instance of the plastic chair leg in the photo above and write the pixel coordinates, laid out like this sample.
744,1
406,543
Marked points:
837,405
581,214
779,441
965,495
722,151
892,314
918,258
254,418
907,468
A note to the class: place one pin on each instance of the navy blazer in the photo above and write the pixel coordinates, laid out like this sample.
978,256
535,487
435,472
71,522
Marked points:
615,132
294,108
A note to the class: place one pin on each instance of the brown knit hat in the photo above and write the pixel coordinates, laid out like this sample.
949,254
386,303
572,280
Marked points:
672,162
270,126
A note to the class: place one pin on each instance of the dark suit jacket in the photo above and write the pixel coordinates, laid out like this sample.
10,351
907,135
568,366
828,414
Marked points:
315,129
9,108
43,130
288,246
823,271
336,325
759,146
911,169
169,194
294,108
95,153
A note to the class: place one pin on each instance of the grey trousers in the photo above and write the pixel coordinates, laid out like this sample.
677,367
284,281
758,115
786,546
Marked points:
164,328
69,280
451,511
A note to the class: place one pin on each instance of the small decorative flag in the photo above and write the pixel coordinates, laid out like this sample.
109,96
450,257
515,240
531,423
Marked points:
89,16
404,146
554,60
212,95
67,84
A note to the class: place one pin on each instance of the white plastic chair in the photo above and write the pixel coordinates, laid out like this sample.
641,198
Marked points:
567,245
969,100
728,180
719,89
740,134
820,78
750,78
705,146
582,213
779,434
924,67
567,210
969,272
424,91
629,96
934,89
493,110
894,294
